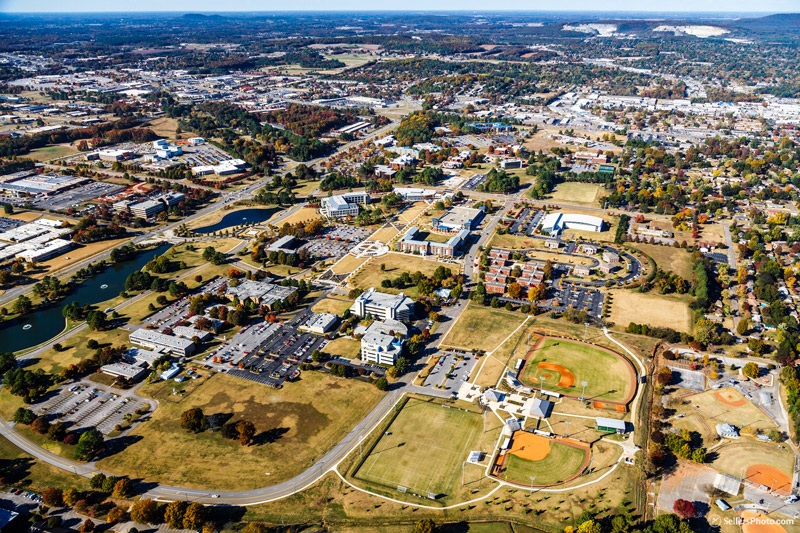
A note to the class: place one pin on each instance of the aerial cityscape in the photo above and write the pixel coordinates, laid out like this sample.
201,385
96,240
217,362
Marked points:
399,271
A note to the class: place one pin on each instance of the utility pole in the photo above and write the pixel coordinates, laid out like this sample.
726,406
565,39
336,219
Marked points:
463,467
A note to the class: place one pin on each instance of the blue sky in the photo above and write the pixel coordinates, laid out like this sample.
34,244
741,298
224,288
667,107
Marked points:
23,6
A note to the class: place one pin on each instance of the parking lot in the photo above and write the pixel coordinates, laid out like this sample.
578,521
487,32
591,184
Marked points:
9,223
472,183
578,298
88,404
451,370
80,195
336,241
526,222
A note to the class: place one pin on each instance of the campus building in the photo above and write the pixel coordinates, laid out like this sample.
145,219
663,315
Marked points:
555,223
259,292
320,323
458,219
344,205
410,242
611,425
158,341
382,342
383,306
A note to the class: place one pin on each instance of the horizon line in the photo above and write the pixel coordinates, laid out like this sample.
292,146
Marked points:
509,10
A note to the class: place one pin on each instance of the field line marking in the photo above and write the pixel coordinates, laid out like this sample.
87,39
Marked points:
500,485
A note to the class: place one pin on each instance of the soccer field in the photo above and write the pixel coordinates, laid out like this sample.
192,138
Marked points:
423,449
566,364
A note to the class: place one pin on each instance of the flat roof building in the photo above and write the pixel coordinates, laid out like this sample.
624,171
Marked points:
383,342
555,223
155,340
124,370
344,205
611,424
320,323
457,219
146,209
411,243
383,306
260,292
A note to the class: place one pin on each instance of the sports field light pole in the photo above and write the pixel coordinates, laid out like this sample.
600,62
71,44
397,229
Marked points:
567,422
533,478
585,329
583,392
463,466
541,387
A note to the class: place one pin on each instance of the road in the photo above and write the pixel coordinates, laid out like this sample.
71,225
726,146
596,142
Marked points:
224,200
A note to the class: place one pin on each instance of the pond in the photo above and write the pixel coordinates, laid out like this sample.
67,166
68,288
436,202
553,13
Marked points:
44,324
237,218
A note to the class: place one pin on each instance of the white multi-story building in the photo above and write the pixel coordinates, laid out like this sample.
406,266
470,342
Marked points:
382,342
383,306
344,205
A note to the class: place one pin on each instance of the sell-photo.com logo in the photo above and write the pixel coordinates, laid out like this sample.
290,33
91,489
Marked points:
755,520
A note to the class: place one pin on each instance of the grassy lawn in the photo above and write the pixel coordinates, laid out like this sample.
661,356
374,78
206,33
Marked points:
423,449
560,258
52,152
514,242
608,375
383,235
348,264
395,264
9,403
24,471
412,211
667,258
298,421
560,463
332,305
483,328
652,309
27,216
75,349
80,253
306,187
304,215
577,193
166,127
344,347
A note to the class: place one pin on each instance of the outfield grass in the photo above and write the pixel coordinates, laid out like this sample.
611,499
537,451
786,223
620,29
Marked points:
649,308
395,264
608,375
296,423
562,462
746,416
482,328
423,449
733,458
577,193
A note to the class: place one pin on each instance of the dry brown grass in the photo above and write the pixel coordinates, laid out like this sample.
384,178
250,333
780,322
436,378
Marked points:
654,310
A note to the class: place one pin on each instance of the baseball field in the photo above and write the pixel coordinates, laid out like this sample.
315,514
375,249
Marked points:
549,461
566,364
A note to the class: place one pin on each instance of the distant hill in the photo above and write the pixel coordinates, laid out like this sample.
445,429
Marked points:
778,23
201,17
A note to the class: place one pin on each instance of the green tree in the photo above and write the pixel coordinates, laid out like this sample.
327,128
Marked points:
699,455
90,444
382,384
97,481
750,370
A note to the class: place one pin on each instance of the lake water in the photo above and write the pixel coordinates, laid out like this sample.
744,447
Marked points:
42,325
239,217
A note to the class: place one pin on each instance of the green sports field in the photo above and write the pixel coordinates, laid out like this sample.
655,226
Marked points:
608,376
562,462
423,449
